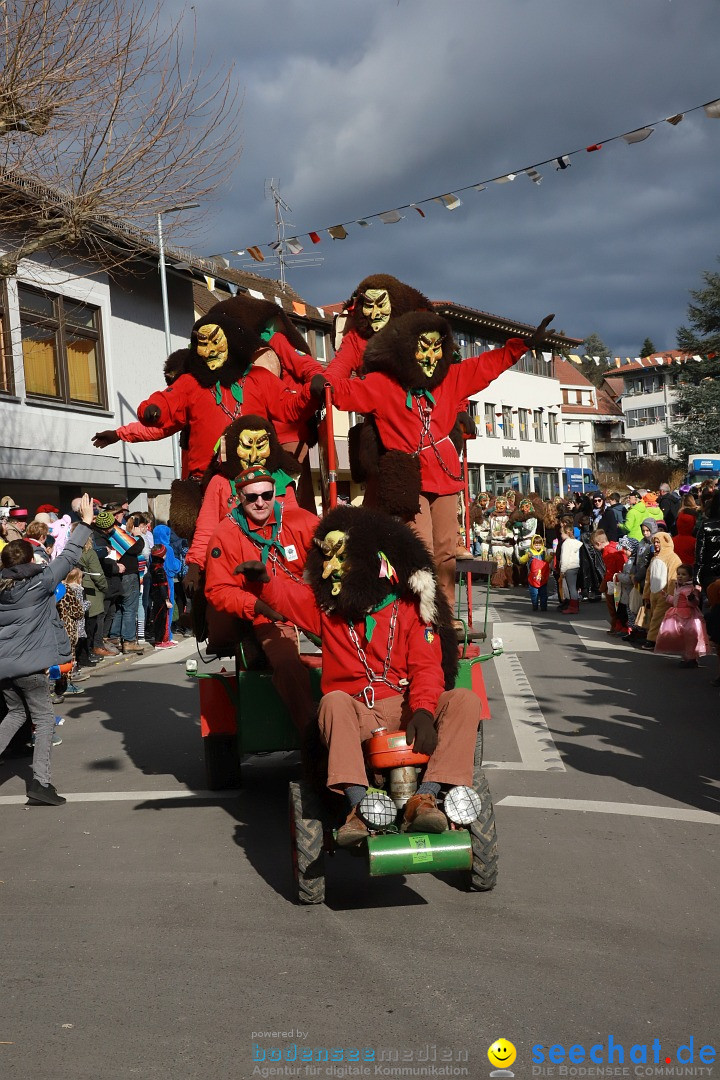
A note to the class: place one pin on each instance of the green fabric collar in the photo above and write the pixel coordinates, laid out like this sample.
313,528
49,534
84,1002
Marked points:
236,390
418,393
264,543
371,623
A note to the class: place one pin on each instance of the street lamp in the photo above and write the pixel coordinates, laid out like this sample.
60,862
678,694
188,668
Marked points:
177,466
580,447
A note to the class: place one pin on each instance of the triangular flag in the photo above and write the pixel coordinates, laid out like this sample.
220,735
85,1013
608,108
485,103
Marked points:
321,312
534,175
258,295
294,246
233,288
239,252
450,202
314,237
209,281
299,309
563,162
712,109
617,361
275,245
278,301
505,179
595,146
479,187
390,217
363,223
338,232
575,359
639,135
697,359
675,120
414,206
596,360
547,357
256,254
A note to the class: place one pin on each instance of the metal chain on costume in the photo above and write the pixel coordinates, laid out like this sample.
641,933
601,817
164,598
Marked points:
368,692
425,417
238,404
277,561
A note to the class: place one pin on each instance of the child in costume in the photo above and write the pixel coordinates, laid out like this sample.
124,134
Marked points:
614,559
161,606
660,582
538,562
683,627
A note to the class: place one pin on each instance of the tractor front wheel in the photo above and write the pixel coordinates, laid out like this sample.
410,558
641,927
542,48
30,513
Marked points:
483,875
306,840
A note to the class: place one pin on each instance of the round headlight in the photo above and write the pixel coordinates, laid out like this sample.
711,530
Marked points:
377,810
462,805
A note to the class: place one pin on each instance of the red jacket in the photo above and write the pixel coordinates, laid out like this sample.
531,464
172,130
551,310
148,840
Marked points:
297,370
614,559
684,541
187,404
401,428
416,653
217,503
349,357
229,546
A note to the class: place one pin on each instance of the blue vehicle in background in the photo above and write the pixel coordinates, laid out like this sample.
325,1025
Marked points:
579,480
702,467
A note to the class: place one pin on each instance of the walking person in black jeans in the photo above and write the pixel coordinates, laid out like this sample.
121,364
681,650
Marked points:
125,550
32,636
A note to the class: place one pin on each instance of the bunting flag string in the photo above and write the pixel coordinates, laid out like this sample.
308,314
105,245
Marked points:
451,200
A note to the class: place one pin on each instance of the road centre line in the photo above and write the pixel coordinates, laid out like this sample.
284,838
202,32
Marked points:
535,743
591,806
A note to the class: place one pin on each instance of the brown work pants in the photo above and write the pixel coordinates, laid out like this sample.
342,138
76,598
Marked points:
290,677
346,722
436,525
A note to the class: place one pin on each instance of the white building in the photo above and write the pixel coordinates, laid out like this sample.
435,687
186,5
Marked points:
648,402
593,430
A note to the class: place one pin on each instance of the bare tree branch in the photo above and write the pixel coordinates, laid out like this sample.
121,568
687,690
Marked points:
107,112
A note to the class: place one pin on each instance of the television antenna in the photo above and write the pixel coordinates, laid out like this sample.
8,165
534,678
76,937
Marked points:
286,251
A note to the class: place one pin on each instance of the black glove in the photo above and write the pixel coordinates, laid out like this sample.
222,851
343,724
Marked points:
151,416
252,570
261,608
536,341
191,581
421,732
317,386
101,439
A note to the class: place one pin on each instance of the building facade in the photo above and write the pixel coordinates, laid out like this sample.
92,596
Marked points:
648,402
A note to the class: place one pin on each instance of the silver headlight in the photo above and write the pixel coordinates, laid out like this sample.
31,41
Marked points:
377,810
462,805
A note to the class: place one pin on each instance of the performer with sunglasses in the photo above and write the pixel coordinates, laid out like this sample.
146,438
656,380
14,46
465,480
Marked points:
260,527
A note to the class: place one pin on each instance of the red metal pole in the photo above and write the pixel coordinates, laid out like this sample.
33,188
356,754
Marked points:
468,536
331,451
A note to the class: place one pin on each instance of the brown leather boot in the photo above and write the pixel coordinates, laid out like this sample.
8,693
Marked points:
354,831
422,814
132,648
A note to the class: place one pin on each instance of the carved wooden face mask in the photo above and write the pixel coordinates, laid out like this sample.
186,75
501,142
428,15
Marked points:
212,345
334,558
253,448
429,351
376,307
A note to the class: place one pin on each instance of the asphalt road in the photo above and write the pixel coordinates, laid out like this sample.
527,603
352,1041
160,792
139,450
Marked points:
148,932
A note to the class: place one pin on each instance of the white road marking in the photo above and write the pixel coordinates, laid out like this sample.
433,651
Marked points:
603,642
516,637
591,806
185,647
130,796
535,743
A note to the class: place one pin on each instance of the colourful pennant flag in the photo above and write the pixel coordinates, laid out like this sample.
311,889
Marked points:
363,223
233,288
534,175
450,202
209,281
639,135
595,146
505,179
294,246
338,232
563,162
299,309
675,120
314,237
390,217
256,254
414,206
712,109
257,294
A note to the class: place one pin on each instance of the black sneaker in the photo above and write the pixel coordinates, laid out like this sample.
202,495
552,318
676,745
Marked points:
47,795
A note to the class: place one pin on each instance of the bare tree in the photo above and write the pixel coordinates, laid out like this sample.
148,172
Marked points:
105,119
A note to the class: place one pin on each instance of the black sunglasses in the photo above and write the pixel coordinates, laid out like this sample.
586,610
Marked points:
253,496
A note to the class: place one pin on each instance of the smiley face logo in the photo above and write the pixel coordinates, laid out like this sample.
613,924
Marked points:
501,1054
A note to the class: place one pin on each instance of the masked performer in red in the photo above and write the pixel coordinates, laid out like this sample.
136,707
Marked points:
389,657
413,390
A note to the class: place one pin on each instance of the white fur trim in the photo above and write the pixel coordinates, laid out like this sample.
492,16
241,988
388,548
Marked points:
422,584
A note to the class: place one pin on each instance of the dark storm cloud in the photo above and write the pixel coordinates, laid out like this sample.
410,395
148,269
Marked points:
358,108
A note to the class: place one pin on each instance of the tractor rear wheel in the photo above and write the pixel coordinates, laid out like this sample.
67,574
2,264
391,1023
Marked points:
306,840
483,875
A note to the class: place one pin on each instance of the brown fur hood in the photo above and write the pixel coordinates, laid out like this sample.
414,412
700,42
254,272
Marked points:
403,298
392,350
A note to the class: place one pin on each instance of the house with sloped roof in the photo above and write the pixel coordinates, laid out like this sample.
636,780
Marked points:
593,423
649,401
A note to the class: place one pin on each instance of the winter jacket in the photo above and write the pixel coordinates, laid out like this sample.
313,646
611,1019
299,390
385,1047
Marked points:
94,581
635,517
569,554
32,637
707,552
685,540
670,506
662,572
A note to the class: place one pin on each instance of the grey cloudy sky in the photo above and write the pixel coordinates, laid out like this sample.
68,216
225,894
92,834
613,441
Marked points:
360,107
